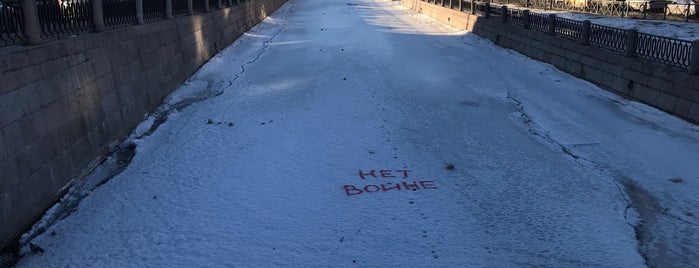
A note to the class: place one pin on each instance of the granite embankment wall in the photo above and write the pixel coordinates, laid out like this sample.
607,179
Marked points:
65,103
669,89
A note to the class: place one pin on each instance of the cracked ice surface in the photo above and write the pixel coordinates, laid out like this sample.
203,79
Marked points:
548,170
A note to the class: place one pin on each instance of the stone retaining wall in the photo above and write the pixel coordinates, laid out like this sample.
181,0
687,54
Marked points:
65,103
666,88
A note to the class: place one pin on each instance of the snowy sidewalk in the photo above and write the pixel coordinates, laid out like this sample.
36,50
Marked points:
328,139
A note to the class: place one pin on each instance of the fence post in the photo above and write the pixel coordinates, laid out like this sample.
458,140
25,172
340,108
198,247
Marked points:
630,49
97,15
207,7
139,11
525,19
552,24
461,6
219,4
694,58
190,7
473,7
585,36
487,10
32,29
230,3
168,9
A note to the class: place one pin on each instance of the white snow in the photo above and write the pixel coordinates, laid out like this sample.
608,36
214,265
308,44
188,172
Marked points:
323,91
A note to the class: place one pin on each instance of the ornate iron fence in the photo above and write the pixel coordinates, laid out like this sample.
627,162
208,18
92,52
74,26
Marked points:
11,24
213,4
496,11
516,16
570,29
609,38
682,10
153,10
539,22
670,51
198,5
179,7
64,17
57,18
666,50
119,13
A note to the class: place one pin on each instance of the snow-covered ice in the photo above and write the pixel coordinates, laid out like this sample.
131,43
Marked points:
322,137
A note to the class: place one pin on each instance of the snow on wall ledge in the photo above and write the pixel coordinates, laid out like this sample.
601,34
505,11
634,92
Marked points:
65,103
671,90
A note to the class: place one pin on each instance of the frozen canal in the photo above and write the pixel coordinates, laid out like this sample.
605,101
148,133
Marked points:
358,133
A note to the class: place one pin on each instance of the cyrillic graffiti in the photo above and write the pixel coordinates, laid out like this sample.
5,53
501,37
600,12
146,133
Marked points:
351,190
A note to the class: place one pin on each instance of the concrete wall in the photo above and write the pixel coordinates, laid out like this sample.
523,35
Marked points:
666,88
65,103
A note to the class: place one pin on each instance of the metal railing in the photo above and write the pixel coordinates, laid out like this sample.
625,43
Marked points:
666,50
669,51
46,19
199,6
627,9
11,24
570,29
119,13
516,16
608,38
154,10
539,22
64,17
179,7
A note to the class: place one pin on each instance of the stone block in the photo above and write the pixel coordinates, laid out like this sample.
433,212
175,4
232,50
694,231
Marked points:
62,168
636,77
646,95
10,177
50,68
64,133
12,134
75,59
660,84
695,96
611,68
694,113
64,81
3,150
26,100
573,67
50,146
28,160
621,86
82,153
587,60
681,90
682,108
31,128
101,63
18,78
121,78
85,73
558,61
666,102
58,113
